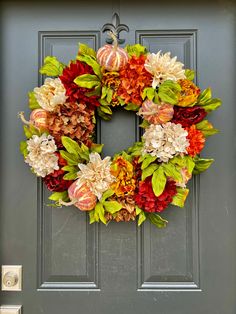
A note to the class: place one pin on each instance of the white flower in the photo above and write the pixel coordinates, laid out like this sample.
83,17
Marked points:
96,174
163,68
165,141
41,155
51,94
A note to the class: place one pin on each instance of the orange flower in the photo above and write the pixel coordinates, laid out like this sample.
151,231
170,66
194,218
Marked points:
125,182
134,78
188,94
196,141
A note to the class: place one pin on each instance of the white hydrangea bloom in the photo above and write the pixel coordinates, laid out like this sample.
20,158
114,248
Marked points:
163,68
165,141
96,174
50,94
42,157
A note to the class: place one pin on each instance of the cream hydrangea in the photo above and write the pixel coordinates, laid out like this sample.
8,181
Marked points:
96,174
163,68
50,94
165,141
41,156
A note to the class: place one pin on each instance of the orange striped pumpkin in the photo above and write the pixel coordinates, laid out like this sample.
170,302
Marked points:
84,199
112,58
38,118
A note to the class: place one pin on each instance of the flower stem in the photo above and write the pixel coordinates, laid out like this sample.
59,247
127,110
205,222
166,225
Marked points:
22,117
61,202
114,38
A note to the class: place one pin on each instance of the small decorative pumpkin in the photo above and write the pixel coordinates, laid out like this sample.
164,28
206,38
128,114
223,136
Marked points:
82,197
112,57
156,114
38,118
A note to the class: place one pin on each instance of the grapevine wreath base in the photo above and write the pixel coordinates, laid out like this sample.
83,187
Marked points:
141,181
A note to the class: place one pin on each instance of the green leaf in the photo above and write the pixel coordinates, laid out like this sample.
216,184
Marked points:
56,196
190,74
92,62
95,92
138,210
135,50
201,164
204,96
149,171
96,148
87,81
212,104
141,217
148,92
84,152
172,171
70,176
106,195
147,161
145,124
70,168
30,131
157,220
132,107
109,95
180,197
23,148
33,103
112,206
52,67
190,164
206,128
105,109
70,145
168,92
71,159
103,115
27,131
86,50
91,217
158,181
99,209
104,92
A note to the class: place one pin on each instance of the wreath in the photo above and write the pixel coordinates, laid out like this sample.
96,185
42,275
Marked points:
141,181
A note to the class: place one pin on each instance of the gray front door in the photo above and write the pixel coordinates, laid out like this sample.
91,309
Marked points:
72,267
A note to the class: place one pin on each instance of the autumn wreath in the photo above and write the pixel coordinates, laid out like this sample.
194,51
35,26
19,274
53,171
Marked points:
141,181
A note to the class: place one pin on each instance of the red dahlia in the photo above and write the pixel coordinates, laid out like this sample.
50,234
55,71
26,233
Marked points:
73,91
188,116
148,201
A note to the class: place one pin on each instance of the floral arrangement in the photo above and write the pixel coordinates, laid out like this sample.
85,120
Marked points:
141,181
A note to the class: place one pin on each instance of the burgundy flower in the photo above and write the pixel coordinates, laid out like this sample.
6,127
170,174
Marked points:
73,91
188,116
55,182
148,201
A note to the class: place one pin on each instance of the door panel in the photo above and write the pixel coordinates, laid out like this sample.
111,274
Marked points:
70,266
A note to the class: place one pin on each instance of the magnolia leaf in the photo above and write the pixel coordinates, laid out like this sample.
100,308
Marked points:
86,50
158,181
206,128
201,164
180,197
23,148
106,195
30,131
109,95
147,161
57,196
157,220
95,92
92,62
33,103
168,92
87,81
148,92
204,96
96,148
112,206
70,176
136,149
132,107
105,109
99,209
84,152
103,115
172,171
52,67
70,168
141,217
138,210
135,50
212,104
190,74
145,124
190,164
71,159
147,172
